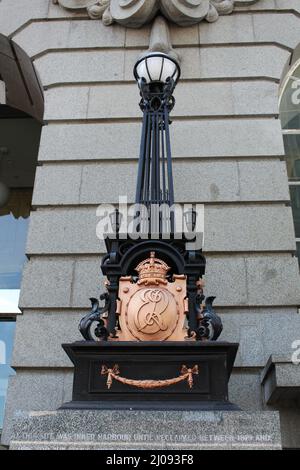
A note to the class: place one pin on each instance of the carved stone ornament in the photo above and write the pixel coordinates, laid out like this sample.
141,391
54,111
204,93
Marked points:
135,13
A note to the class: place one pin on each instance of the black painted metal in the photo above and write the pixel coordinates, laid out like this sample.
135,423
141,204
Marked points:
154,361
87,323
155,184
155,178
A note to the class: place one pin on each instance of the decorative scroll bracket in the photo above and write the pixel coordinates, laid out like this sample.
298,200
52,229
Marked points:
136,13
186,373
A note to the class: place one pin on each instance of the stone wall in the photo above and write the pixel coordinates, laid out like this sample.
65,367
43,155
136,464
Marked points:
227,144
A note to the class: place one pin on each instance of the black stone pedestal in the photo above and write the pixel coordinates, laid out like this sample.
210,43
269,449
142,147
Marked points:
151,361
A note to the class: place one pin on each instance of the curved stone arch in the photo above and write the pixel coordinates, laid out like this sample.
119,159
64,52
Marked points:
289,69
23,91
291,79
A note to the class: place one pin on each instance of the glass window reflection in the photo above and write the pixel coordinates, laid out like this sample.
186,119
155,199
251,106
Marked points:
298,252
7,333
14,219
295,198
9,301
292,152
290,104
290,121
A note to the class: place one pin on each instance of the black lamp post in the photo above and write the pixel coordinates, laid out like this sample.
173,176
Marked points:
157,75
153,321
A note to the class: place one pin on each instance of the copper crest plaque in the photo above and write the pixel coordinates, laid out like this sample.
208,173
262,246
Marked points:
154,308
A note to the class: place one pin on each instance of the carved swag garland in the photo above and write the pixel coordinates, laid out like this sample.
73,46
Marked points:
135,13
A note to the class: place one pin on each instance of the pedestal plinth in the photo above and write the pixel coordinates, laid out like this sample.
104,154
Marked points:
111,415
151,375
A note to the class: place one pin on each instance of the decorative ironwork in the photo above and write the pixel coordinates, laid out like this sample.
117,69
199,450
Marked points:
186,373
210,324
96,316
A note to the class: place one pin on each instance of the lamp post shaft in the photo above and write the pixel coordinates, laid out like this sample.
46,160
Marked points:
155,178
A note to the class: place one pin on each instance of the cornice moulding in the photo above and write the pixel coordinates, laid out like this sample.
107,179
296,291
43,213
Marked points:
136,13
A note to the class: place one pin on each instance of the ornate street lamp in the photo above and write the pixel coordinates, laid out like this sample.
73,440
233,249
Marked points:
157,75
154,322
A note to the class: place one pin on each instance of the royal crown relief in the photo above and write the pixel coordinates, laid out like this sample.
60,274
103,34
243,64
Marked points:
135,13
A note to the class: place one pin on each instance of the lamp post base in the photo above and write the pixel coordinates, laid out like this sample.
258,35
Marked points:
186,375
151,405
